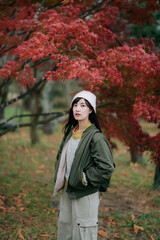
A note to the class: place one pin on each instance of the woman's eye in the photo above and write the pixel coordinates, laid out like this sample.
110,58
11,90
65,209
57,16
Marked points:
83,105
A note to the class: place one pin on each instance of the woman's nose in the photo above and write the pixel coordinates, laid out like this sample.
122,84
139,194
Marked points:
77,108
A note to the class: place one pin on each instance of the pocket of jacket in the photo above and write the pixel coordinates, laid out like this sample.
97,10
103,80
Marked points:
75,180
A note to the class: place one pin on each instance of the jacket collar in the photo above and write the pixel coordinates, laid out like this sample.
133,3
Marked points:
85,132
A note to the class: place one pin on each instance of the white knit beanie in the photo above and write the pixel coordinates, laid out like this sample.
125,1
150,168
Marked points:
90,97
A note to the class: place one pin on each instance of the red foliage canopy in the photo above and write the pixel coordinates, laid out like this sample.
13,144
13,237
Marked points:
90,41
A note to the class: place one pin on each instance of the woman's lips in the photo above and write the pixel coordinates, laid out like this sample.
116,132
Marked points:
77,114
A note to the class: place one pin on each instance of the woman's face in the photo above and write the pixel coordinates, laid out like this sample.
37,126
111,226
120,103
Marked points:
81,111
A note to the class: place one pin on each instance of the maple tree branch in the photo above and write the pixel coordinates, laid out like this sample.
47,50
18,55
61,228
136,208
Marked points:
54,5
28,33
122,125
5,5
9,128
40,9
4,83
36,85
31,115
38,62
115,105
94,9
3,105
6,50
12,14
119,42
97,8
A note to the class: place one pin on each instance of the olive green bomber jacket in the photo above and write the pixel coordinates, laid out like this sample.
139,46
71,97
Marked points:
93,157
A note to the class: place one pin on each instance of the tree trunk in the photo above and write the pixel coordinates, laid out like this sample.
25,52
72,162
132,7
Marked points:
1,114
68,91
46,105
36,109
135,157
157,178
3,97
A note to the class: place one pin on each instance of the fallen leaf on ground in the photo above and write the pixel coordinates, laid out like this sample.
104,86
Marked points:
116,236
22,209
137,228
133,218
22,195
125,174
3,209
42,166
106,209
150,237
2,198
1,202
151,174
11,209
134,164
34,161
20,234
103,234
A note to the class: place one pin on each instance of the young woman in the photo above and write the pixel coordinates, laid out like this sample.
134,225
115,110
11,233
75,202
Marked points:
84,162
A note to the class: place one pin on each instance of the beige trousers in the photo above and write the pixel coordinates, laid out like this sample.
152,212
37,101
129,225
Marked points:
78,218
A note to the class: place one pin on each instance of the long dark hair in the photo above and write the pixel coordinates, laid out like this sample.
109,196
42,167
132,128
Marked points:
73,123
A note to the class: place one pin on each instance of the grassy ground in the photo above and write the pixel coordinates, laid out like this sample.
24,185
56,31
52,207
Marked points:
128,211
